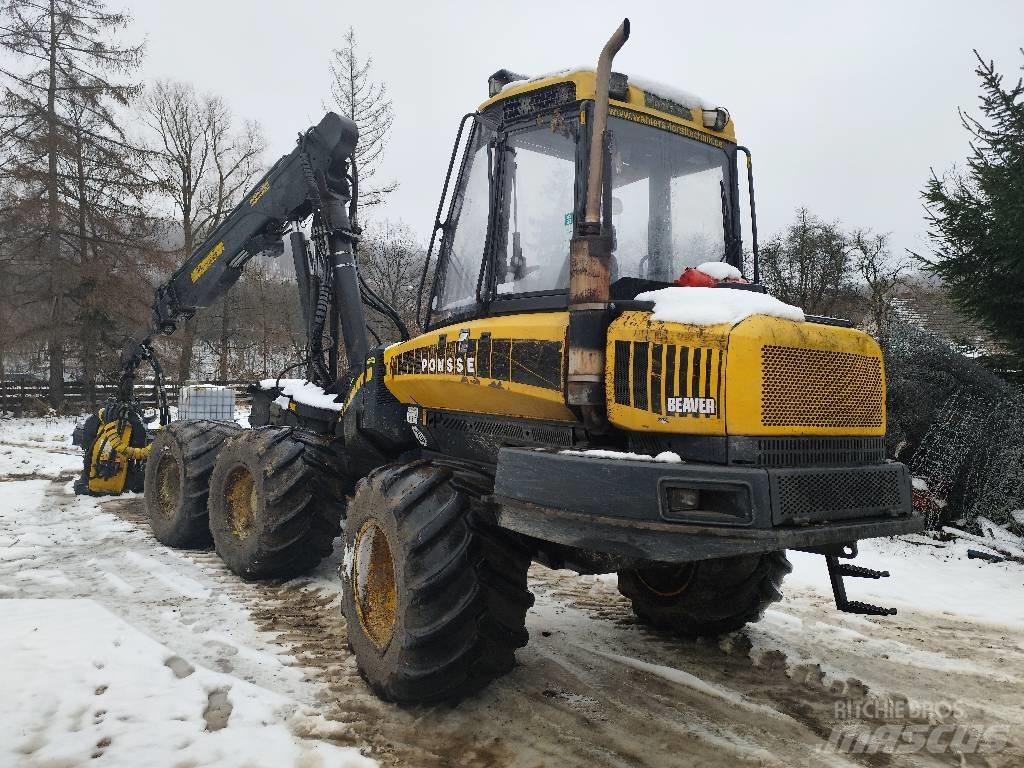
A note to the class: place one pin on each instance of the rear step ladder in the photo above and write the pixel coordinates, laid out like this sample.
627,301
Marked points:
836,572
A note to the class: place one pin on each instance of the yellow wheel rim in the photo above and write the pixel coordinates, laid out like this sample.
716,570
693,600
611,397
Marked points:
667,581
373,584
240,502
168,475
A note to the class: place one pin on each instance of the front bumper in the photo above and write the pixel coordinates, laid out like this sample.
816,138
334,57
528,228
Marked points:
627,507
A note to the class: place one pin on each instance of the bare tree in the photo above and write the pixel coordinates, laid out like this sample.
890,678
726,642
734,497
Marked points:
203,165
267,333
392,261
809,264
62,56
884,275
237,161
365,102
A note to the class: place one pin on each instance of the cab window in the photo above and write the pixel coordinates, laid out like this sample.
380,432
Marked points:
539,178
463,248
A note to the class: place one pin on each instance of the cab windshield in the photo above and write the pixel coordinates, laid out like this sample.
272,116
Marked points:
671,201
521,188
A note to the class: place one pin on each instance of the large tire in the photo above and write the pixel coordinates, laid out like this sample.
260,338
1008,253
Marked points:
707,598
276,503
178,480
435,598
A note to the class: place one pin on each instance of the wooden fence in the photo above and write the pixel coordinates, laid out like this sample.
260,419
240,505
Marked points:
20,396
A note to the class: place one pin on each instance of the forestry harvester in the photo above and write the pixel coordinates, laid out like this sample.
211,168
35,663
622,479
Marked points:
543,413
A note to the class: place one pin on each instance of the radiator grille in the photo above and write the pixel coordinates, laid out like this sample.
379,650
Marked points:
820,388
819,451
811,496
669,379
523,105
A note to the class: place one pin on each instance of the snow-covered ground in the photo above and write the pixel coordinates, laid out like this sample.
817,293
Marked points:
110,646
86,682
115,651
113,647
38,447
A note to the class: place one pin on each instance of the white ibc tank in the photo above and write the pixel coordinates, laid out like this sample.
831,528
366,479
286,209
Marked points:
205,401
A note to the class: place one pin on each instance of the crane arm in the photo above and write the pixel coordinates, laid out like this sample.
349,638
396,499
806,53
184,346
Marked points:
312,177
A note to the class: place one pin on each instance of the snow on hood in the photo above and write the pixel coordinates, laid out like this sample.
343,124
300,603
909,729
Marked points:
720,270
714,306
304,392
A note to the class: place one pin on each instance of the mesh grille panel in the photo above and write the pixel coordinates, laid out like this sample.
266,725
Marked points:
806,496
819,451
502,429
820,388
517,107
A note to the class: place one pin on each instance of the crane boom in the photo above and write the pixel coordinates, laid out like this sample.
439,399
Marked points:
313,177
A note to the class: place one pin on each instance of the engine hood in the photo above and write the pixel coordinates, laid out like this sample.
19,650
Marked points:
761,376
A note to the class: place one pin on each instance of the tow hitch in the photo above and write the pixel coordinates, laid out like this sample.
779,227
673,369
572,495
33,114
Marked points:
836,572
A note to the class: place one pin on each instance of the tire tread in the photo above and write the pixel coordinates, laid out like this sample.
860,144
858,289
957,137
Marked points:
301,504
722,596
464,620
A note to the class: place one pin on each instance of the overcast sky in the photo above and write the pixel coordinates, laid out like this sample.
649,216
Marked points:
845,105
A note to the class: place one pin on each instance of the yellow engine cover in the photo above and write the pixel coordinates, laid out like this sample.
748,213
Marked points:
666,377
762,376
510,365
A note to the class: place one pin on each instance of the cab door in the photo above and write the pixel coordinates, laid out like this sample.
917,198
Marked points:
497,315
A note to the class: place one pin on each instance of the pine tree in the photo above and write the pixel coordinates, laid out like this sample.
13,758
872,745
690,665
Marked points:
365,102
976,216
60,101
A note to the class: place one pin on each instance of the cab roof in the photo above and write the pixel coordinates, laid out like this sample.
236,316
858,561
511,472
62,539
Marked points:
642,95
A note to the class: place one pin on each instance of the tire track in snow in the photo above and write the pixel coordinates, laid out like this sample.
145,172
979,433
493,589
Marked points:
570,708
596,688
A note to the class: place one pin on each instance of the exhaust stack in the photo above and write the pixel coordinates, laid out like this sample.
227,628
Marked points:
604,72
589,253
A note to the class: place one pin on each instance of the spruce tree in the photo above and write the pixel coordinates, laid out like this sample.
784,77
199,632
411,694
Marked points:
64,153
976,215
366,103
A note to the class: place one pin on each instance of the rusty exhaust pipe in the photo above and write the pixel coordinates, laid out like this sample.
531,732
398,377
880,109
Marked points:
604,72
590,251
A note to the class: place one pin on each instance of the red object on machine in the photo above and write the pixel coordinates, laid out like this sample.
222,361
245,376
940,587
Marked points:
694,278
